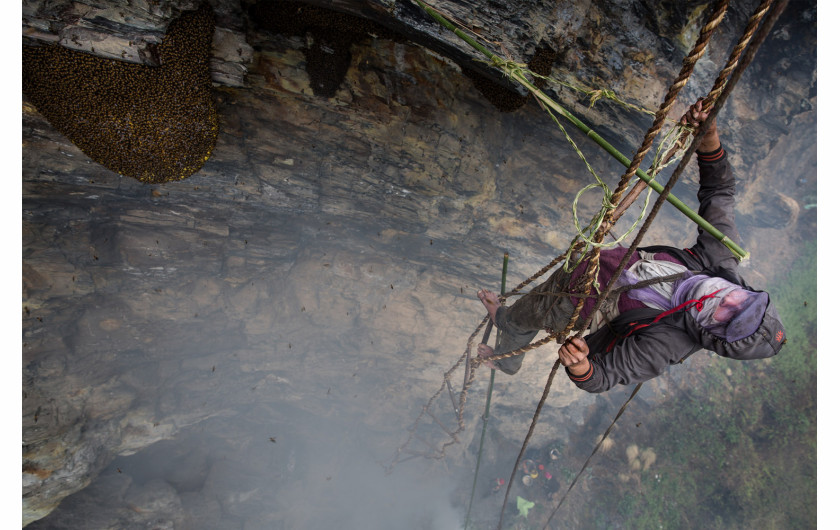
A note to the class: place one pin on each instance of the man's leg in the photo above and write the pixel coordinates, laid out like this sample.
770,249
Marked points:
520,323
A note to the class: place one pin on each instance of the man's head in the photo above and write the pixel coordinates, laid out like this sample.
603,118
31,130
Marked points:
730,305
727,310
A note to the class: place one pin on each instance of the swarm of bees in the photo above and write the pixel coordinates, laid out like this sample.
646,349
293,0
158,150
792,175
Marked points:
156,124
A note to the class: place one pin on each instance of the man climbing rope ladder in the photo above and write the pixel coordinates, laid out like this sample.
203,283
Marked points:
669,302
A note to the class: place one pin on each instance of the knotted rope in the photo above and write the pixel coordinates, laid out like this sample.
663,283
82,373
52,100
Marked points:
710,99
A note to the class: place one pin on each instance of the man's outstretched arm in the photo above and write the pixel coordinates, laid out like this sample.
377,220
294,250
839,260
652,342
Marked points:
716,194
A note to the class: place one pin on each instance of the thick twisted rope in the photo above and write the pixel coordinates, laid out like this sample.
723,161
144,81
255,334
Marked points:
734,57
689,62
710,99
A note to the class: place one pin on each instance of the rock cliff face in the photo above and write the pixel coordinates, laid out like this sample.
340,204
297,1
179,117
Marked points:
292,305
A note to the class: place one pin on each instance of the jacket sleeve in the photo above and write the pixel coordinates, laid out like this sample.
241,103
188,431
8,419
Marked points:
717,206
641,356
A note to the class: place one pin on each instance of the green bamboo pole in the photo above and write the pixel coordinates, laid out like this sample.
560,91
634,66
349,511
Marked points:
737,251
486,415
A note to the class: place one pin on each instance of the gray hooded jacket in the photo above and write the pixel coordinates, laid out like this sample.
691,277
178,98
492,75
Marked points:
623,353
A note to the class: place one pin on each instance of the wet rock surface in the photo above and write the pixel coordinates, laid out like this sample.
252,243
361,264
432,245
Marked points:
265,329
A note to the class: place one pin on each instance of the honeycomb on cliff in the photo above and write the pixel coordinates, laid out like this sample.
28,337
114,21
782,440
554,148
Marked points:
502,97
156,124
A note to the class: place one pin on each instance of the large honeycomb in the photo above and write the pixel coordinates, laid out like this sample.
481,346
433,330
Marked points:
156,124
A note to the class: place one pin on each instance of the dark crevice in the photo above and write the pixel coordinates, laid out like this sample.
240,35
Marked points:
330,34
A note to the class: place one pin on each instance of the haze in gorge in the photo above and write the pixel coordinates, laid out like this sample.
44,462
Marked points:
248,347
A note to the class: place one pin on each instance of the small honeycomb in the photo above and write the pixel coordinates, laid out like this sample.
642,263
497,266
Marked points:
505,99
155,124
332,34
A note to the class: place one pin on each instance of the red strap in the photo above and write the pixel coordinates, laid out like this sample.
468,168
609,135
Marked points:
685,305
583,377
713,156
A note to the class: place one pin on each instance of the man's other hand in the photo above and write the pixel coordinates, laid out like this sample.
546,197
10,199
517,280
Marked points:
573,355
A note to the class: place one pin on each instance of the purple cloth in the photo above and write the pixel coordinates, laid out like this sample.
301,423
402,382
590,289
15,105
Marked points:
742,321
609,261
746,320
